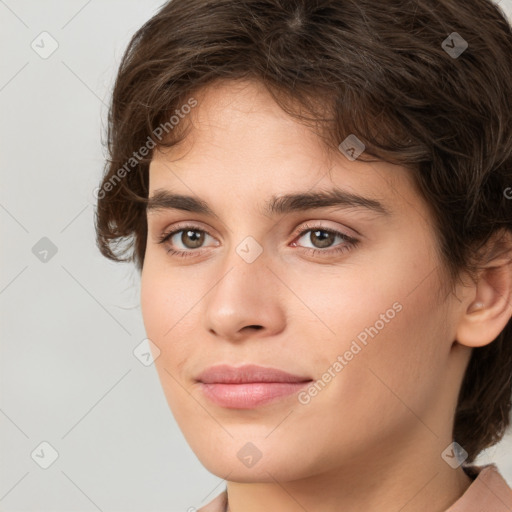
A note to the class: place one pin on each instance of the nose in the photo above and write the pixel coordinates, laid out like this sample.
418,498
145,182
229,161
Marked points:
247,300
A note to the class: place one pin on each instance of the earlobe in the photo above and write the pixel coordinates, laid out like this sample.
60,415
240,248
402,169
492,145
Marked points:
490,309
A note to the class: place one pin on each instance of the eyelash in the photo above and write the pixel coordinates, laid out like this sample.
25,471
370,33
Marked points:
349,242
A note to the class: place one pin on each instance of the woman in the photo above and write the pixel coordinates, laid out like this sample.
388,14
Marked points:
315,193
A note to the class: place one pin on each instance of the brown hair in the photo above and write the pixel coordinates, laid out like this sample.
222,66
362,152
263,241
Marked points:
384,72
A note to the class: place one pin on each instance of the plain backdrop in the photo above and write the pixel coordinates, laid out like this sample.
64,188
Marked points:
71,319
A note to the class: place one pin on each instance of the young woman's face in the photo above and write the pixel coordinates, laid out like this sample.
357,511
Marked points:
345,296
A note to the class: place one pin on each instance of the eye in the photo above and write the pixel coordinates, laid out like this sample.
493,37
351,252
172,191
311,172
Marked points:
191,237
323,239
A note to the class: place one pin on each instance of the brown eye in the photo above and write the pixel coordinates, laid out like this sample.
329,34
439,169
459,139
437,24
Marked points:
322,241
185,241
195,236
322,238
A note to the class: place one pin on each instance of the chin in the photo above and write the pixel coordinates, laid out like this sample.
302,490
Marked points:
240,462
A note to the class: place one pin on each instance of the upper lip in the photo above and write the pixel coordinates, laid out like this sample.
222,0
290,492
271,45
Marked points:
226,374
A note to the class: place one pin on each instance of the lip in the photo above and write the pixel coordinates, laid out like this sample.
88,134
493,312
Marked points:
248,386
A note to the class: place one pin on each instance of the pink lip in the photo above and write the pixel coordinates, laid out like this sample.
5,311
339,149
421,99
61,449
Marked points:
248,386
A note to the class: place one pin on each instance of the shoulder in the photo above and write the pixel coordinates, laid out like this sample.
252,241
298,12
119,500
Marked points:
218,504
489,491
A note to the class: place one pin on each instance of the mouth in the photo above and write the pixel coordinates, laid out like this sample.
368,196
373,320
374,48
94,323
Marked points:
248,386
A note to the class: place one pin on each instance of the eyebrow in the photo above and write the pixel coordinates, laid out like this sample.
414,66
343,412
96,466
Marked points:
276,205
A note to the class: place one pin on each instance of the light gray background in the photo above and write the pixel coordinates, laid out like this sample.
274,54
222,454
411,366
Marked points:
70,324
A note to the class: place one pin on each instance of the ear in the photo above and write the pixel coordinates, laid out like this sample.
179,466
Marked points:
487,307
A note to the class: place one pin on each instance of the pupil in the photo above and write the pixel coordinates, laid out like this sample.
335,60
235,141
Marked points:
324,241
196,237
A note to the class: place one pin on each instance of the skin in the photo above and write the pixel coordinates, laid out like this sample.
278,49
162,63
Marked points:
372,438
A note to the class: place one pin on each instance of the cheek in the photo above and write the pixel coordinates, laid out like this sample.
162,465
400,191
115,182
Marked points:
164,298
391,332
170,304
161,309
391,379
155,303
401,364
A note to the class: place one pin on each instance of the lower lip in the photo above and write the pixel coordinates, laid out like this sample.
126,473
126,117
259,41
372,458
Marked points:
250,394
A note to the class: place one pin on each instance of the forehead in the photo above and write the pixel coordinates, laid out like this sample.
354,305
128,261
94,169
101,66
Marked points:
242,116
238,139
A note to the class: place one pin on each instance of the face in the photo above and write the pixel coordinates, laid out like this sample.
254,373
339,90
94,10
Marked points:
343,295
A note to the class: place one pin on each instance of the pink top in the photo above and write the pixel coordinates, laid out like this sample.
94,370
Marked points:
488,492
